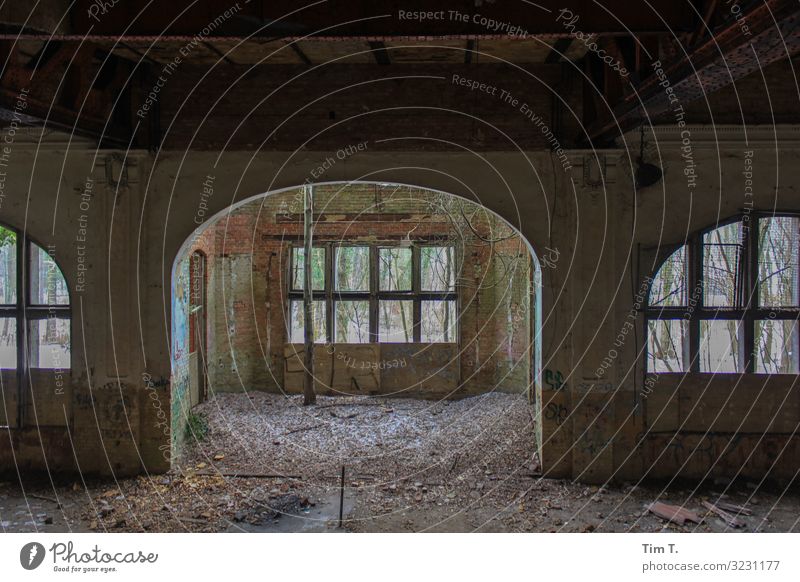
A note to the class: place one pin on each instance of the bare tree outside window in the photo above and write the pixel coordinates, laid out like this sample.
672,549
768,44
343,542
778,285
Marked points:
352,268
352,322
395,269
410,297
669,285
666,339
746,318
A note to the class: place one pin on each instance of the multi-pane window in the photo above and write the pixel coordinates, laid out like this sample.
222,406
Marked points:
728,300
34,299
376,293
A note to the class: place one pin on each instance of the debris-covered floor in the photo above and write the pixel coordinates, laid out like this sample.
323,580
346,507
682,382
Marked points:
265,463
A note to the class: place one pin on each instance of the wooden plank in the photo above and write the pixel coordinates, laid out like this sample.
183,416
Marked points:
673,513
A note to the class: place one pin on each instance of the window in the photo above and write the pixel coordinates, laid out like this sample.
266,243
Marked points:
317,269
728,301
379,293
40,307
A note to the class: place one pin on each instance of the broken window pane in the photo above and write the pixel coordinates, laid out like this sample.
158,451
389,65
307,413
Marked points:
395,323
438,321
722,249
352,322
49,343
669,285
352,269
776,346
778,249
395,269
317,268
48,286
437,266
719,345
666,341
8,343
296,321
8,267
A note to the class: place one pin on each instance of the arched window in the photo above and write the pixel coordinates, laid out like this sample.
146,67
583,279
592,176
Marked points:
728,301
34,307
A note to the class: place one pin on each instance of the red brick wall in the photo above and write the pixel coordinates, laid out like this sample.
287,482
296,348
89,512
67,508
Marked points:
248,254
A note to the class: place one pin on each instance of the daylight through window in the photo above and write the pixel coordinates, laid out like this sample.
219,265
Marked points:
728,301
388,294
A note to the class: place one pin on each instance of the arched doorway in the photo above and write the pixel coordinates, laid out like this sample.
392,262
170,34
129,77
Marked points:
417,296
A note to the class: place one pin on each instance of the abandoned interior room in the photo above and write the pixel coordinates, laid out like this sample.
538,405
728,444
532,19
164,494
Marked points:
399,266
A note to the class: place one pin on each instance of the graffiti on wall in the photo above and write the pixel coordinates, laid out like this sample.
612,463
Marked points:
554,380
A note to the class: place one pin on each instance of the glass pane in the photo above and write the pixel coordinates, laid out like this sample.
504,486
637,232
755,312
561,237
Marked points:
8,267
721,252
49,343
776,347
395,323
352,322
8,343
778,249
719,345
317,268
352,268
437,266
48,286
395,269
438,321
297,322
669,284
666,342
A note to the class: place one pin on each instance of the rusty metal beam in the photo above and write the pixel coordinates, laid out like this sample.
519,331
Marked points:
728,55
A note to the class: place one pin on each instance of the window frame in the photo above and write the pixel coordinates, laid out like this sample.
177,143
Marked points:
25,311
374,295
746,308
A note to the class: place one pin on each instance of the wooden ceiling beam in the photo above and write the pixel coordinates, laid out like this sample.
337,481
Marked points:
560,48
773,33
469,52
394,18
380,53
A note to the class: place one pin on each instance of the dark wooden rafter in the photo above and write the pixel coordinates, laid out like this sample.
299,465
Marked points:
647,47
216,51
708,10
68,87
625,49
141,56
47,51
560,48
380,53
300,54
716,63
469,51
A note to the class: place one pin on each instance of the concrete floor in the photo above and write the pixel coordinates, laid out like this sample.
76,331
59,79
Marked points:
268,464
